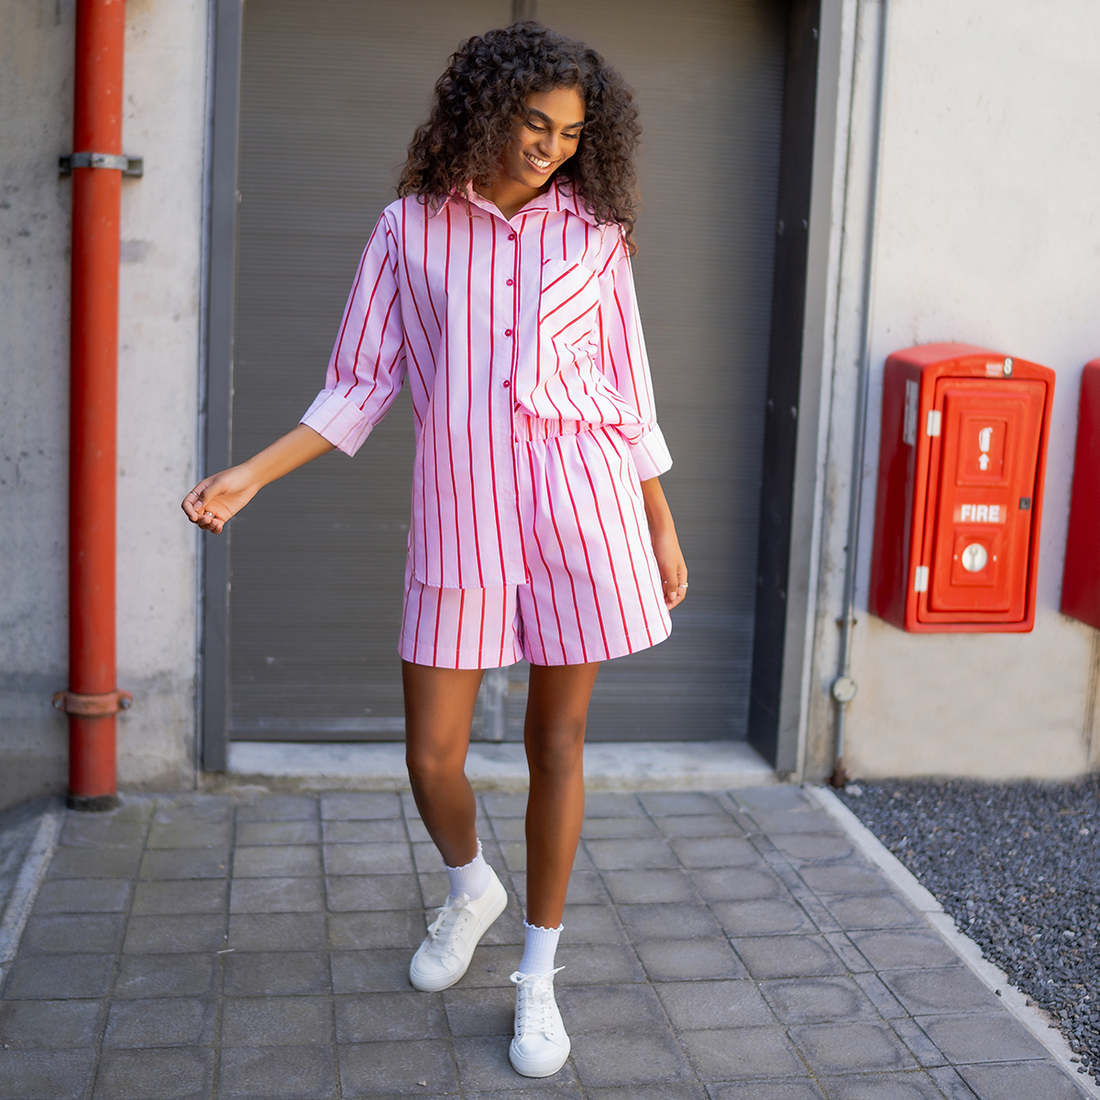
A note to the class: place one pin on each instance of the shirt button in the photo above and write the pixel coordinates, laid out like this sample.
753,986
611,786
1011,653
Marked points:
507,332
511,236
506,383
511,282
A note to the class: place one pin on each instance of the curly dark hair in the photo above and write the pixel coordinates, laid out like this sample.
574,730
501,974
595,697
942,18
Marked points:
484,91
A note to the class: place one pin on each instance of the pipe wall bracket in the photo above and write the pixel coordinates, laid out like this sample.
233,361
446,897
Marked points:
133,167
93,706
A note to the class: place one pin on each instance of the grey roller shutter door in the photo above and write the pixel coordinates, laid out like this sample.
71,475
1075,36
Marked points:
331,91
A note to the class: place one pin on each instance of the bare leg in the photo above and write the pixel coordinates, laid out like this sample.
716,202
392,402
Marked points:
439,707
553,733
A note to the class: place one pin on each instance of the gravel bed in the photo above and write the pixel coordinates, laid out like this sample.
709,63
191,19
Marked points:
1018,867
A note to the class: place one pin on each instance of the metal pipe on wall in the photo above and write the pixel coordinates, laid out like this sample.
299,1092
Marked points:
93,699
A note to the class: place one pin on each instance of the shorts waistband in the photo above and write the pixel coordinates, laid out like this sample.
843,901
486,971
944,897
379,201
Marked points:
530,427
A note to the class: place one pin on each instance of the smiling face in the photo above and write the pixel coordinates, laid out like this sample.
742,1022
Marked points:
543,140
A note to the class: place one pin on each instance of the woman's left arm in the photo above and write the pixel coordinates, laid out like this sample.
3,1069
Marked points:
666,546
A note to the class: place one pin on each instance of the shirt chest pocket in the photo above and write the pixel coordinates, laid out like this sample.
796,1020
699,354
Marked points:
569,303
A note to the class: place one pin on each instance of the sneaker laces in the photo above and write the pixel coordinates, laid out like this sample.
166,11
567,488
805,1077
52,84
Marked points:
536,1009
445,933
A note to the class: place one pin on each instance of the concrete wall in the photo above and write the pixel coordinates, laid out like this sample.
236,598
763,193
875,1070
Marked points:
165,121
986,232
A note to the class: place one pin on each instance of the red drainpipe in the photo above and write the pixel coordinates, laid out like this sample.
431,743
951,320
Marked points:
93,698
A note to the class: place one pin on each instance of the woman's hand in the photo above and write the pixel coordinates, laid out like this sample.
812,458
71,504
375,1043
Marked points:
217,499
666,546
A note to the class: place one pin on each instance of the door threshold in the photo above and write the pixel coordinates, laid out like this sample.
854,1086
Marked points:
500,766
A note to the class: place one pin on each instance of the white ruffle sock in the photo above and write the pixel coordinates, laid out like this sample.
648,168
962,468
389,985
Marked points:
539,946
471,879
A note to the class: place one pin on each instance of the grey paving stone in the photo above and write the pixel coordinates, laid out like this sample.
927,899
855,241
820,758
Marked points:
279,807
636,887
271,973
26,1025
944,990
58,977
95,863
630,855
501,804
703,825
916,1039
276,895
762,917
612,804
358,832
880,911
739,884
638,1058
1020,1081
483,1066
846,880
711,1005
669,921
186,808
167,1022
950,1083
277,932
786,822
513,852
679,803
374,1069
912,1085
977,1037
108,895
203,834
371,1017
804,849
486,1011
591,924
779,797
667,1091
897,950
183,933
277,861
360,805
512,828
530,1089
166,975
715,851
727,1054
46,1074
353,893
175,897
276,1073
796,1088
591,964
585,888
884,1001
185,863
844,947
380,971
435,887
257,834
621,1008
61,932
507,928
154,1075
788,956
371,859
818,1000
685,960
612,828
839,1048
356,931
101,831
275,1021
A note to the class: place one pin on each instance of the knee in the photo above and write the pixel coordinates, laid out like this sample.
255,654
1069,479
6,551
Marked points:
431,768
556,749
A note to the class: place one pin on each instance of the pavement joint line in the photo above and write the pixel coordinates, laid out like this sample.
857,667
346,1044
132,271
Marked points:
35,864
1037,1021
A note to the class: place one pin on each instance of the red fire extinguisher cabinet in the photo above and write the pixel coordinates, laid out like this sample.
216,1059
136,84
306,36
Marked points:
960,489
1081,575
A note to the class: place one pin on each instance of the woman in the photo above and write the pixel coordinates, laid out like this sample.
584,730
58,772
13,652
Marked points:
499,286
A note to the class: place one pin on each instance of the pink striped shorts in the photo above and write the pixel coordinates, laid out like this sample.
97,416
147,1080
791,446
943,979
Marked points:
593,588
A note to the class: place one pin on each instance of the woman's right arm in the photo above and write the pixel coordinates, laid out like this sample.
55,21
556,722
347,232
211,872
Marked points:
216,499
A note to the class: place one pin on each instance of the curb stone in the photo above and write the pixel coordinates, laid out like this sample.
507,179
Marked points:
1038,1023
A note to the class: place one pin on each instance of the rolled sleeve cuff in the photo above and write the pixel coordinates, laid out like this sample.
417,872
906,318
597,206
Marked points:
650,454
340,421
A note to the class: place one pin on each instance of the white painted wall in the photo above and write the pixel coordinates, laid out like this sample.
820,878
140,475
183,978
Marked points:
165,121
987,232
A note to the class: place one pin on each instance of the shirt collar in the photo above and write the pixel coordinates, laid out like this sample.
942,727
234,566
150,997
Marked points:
561,197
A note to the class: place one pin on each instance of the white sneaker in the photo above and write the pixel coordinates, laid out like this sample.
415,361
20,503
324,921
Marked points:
540,1046
445,954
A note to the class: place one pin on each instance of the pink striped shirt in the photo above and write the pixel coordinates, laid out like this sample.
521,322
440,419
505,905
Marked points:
493,322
